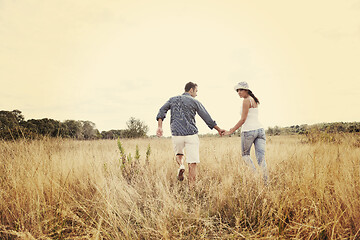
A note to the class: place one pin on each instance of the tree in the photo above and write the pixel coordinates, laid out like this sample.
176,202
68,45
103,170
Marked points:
113,134
10,124
44,127
72,129
88,130
274,131
136,128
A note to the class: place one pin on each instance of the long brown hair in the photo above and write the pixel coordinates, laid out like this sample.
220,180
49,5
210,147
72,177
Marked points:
253,96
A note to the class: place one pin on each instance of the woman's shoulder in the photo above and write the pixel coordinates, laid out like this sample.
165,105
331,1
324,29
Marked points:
246,103
251,102
246,100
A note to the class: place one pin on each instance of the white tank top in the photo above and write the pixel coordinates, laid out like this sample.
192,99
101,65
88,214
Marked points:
252,120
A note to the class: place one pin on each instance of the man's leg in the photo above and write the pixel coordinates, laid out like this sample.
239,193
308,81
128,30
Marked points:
192,156
179,144
192,174
180,161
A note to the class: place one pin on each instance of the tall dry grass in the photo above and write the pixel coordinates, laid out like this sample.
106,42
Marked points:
65,189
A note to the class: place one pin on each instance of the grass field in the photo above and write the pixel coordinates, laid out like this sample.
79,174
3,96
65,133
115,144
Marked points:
66,189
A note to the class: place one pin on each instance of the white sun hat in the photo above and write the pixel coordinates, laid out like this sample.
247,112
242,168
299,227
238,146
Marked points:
242,85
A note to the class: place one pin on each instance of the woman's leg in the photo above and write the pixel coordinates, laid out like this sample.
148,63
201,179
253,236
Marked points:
247,139
260,144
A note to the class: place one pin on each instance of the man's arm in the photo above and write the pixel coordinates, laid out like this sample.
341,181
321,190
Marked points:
207,118
159,131
161,116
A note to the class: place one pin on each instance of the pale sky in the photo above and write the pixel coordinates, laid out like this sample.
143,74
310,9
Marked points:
107,61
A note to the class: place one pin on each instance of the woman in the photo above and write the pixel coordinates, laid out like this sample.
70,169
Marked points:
252,131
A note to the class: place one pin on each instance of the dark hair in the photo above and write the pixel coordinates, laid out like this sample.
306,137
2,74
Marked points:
253,96
189,86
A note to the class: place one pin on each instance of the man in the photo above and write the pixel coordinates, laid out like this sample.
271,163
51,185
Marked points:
183,128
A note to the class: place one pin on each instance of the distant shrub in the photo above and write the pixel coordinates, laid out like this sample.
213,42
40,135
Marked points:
315,129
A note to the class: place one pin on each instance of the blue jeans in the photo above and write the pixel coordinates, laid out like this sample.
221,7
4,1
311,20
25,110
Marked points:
258,138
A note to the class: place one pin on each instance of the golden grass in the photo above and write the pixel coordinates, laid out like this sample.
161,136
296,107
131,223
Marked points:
66,189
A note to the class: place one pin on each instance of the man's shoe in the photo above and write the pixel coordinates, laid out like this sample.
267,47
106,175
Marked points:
180,174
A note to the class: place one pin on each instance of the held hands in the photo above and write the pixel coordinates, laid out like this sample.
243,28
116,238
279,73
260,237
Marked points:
221,132
227,133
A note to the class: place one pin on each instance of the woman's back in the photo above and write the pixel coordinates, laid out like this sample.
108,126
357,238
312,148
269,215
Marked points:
252,120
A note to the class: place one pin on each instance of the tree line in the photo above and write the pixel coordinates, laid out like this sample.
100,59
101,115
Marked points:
13,126
336,127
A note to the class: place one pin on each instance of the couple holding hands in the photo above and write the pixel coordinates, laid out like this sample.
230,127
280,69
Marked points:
185,133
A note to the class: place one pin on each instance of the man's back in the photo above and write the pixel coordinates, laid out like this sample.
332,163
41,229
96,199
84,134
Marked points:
183,111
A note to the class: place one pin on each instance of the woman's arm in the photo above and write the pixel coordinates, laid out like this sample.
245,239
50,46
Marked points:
245,111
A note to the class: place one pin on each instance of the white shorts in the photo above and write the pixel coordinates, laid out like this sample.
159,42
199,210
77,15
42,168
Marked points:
191,144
